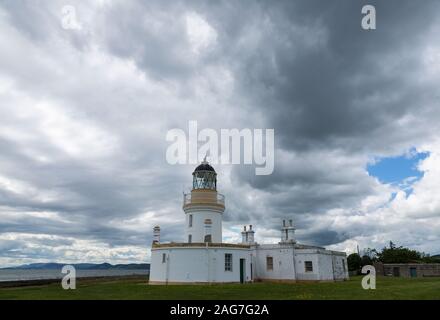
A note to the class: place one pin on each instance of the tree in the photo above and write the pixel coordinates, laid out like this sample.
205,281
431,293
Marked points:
370,253
366,260
354,262
400,254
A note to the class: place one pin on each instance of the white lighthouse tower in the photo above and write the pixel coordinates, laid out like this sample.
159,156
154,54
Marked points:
203,207
202,257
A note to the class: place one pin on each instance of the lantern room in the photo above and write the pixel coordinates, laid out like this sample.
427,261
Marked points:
204,177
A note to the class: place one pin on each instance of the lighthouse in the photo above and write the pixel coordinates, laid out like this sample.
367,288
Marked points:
203,207
203,256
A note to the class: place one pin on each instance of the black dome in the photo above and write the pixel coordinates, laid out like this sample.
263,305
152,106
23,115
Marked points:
204,167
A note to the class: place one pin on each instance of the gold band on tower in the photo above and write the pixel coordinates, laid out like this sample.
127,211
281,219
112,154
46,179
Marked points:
204,197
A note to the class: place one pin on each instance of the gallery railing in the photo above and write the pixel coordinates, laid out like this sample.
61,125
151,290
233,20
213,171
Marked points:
203,198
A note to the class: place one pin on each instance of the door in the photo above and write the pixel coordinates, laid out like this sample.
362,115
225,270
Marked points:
396,271
242,270
413,272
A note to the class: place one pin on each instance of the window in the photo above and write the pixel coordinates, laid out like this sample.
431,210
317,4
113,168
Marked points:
343,265
269,263
208,238
189,238
228,261
164,257
190,220
308,266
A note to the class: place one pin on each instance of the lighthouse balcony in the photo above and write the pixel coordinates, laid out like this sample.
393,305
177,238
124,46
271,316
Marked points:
203,197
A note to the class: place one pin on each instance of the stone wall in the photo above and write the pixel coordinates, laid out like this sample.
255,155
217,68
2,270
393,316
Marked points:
408,270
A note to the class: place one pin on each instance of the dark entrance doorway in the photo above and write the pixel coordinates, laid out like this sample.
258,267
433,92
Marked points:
242,270
396,271
413,272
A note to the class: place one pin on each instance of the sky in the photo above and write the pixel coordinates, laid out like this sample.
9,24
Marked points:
84,113
400,171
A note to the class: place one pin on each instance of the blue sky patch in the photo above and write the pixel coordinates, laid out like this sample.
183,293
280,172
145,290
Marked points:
400,171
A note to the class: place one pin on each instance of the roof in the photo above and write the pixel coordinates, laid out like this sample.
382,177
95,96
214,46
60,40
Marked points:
199,244
204,166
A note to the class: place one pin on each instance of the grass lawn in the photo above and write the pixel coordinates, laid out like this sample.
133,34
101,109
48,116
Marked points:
386,288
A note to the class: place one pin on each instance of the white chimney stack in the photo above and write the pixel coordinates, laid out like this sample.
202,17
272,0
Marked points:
250,236
244,235
156,234
288,232
247,236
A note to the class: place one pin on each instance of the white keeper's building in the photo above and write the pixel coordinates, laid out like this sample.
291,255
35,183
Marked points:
204,258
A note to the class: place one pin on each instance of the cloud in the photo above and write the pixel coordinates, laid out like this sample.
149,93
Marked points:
84,114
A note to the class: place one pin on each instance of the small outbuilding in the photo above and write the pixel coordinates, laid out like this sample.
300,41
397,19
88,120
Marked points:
408,270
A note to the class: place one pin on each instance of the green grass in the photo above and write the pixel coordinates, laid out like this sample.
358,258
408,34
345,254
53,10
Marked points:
386,288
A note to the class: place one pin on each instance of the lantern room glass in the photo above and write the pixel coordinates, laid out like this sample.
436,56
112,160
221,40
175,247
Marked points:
203,179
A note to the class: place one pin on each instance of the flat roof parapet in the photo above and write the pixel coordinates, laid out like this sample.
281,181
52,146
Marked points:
305,246
199,245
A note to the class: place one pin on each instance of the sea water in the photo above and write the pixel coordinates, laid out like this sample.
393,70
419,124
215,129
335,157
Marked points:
17,275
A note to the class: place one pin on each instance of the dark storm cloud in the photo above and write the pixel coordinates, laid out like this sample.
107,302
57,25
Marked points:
160,50
324,238
325,82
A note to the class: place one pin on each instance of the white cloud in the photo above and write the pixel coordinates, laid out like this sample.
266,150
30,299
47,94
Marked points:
200,33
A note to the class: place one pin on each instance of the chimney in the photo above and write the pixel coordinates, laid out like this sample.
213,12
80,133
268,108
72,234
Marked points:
250,235
244,235
288,232
156,234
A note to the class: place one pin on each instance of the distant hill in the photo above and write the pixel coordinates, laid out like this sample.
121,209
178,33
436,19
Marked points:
82,266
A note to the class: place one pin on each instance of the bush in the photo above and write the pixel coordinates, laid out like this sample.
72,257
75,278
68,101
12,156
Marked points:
354,262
